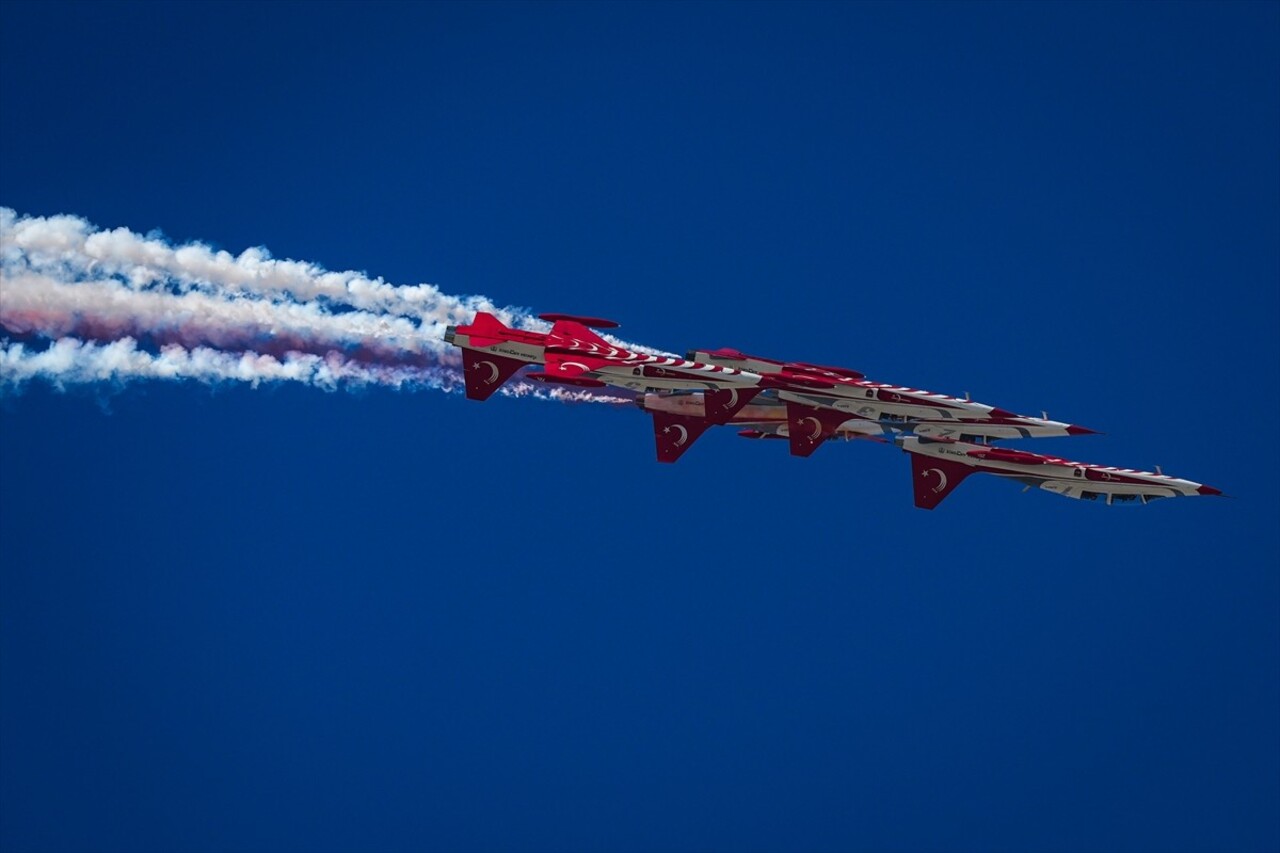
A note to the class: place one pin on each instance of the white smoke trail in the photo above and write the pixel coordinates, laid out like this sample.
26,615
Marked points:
211,316
40,304
70,361
69,247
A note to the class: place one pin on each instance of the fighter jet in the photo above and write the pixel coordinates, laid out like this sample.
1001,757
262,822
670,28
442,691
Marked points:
815,415
819,402
939,465
492,352
679,419
947,438
572,354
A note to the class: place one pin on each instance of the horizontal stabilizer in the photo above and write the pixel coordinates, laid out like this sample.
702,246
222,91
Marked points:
934,478
810,426
758,434
570,369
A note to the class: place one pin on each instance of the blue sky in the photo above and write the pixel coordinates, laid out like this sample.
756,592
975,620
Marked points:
283,619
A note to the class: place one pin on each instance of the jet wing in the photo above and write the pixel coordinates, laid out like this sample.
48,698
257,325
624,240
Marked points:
575,335
570,369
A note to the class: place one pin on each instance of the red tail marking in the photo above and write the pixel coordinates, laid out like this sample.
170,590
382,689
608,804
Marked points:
934,478
485,373
570,369
674,434
809,426
721,406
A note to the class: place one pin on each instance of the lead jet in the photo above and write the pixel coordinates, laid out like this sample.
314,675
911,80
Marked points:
814,415
572,354
939,465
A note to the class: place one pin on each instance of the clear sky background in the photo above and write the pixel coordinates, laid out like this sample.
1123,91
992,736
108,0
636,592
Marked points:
284,619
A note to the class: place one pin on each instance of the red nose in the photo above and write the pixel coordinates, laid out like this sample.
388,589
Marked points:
1209,490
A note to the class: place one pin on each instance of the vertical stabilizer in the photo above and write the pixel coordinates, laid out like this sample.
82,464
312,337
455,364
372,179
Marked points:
809,426
721,406
485,372
674,434
933,478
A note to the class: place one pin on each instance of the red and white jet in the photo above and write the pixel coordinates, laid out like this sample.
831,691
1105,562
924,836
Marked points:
572,354
815,415
820,402
679,419
948,438
939,465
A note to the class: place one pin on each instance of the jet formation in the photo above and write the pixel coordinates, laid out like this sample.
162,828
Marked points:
806,405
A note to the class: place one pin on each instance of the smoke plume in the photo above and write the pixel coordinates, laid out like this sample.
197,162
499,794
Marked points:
83,305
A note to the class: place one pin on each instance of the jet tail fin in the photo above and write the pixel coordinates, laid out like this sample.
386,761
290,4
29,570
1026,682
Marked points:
933,478
809,426
720,406
485,372
674,434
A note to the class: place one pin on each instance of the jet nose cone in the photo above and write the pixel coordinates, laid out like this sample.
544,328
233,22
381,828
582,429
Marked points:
1209,490
1072,429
